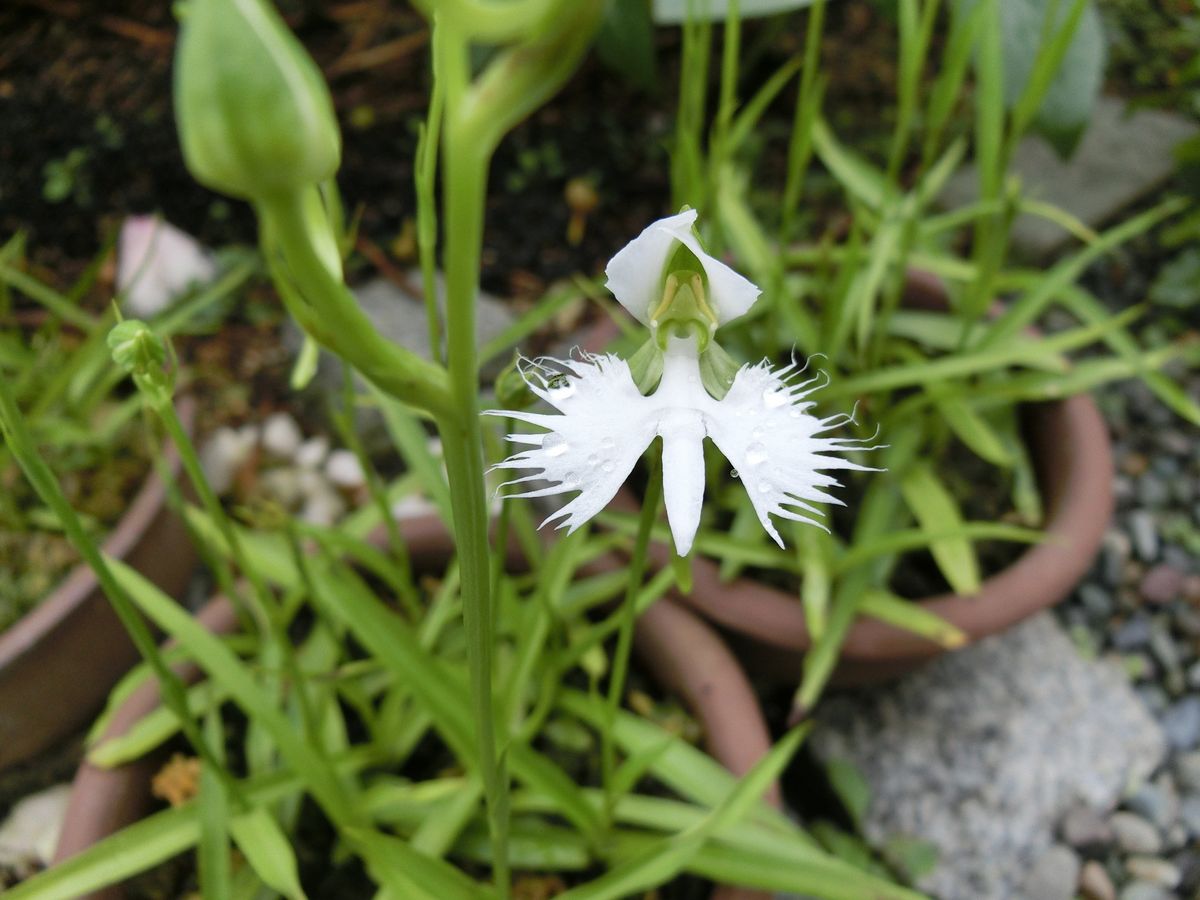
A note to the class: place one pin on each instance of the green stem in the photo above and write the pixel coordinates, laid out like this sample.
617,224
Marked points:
465,188
620,670
332,314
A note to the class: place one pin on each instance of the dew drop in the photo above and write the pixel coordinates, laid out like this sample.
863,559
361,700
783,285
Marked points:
593,459
756,454
774,397
765,487
733,473
561,392
607,466
555,444
757,434
607,444
571,478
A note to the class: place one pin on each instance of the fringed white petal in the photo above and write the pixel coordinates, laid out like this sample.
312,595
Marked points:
635,274
605,426
763,428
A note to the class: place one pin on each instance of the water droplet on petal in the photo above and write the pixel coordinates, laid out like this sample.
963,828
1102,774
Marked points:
607,466
593,459
757,434
756,454
765,487
607,444
571,478
560,387
733,473
774,396
555,444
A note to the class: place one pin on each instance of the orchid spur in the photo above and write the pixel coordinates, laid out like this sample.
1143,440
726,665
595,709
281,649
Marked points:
666,280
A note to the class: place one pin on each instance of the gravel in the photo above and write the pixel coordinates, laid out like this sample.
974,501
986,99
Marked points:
1140,605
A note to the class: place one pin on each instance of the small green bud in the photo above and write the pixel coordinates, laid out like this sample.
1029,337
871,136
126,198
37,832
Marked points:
136,348
254,115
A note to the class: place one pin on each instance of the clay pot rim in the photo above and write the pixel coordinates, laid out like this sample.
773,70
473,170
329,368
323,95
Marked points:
683,653
24,635
59,660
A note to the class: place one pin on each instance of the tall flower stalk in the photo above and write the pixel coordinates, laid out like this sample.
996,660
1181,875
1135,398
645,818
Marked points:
275,143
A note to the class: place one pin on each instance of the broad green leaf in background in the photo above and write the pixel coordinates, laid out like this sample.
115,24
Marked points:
1067,106
625,42
674,12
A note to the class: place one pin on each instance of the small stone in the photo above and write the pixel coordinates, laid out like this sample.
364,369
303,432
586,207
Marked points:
323,508
1117,548
1161,584
1166,467
1134,464
1174,441
1134,834
1141,890
1053,876
1133,634
312,452
1163,647
1191,584
1096,600
1145,534
343,469
1187,771
281,435
1151,694
1153,870
1085,829
30,833
1156,802
1153,491
222,455
1187,620
1181,723
284,485
1094,883
1189,814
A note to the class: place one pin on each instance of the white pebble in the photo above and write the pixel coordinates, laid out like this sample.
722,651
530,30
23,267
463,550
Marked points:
411,506
323,508
312,452
281,435
222,455
344,470
30,833
284,485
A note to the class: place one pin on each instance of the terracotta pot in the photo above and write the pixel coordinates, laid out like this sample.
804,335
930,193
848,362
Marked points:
683,653
58,662
1069,444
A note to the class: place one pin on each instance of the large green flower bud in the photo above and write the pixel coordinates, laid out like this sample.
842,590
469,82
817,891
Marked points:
255,117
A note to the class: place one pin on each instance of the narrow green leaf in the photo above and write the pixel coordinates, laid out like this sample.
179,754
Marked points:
268,851
887,607
935,508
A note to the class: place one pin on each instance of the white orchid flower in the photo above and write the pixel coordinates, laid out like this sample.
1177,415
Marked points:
762,424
